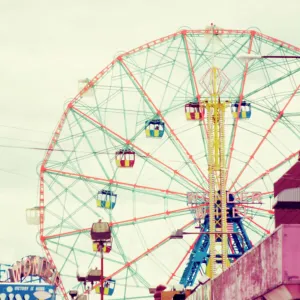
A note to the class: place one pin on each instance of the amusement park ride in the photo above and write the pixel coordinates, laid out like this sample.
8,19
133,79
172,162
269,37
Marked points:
226,222
221,221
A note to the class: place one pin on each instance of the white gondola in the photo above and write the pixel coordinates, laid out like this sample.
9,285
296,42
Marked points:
81,84
33,215
100,231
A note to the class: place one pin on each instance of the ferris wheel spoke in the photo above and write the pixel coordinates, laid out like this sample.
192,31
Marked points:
70,250
234,53
90,145
268,211
54,268
125,185
265,137
62,234
268,172
59,127
55,245
147,252
156,111
195,89
255,229
255,223
252,229
262,196
136,220
235,125
71,158
191,68
75,250
172,195
156,162
55,137
125,258
195,172
293,127
154,217
69,217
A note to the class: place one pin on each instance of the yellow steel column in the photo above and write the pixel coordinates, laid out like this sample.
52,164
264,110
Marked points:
215,97
223,186
211,179
216,166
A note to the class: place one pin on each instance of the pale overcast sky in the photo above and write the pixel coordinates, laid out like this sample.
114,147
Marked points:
46,46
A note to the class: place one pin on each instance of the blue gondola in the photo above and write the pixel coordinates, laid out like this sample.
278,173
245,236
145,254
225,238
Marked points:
245,111
109,287
106,199
154,128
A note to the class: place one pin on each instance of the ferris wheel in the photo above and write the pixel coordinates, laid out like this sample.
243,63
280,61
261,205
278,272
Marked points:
134,149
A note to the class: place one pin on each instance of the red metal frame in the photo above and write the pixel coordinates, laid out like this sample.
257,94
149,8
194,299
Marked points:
53,236
183,259
184,32
133,220
102,275
265,137
241,96
128,264
116,182
190,157
128,142
198,96
50,148
253,222
269,211
268,171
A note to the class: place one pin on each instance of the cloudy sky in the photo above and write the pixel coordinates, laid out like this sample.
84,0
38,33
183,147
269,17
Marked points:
46,46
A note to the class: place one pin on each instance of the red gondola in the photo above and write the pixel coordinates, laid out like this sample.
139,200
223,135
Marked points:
193,111
125,158
106,247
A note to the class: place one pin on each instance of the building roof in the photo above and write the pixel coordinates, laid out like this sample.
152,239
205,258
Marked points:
289,180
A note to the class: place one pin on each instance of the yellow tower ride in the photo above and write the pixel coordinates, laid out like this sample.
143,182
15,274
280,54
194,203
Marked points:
215,82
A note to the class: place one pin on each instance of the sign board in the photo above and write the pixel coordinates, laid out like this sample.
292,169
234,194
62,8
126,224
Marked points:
4,272
34,266
25,291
